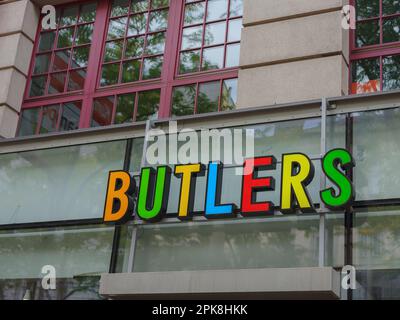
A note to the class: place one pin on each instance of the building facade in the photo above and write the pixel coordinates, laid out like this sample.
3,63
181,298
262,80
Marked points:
78,99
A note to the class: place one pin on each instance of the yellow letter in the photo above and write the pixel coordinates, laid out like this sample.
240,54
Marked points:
186,199
120,188
297,174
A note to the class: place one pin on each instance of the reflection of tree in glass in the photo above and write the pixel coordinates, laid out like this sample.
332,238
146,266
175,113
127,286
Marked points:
183,100
194,13
391,72
367,8
149,102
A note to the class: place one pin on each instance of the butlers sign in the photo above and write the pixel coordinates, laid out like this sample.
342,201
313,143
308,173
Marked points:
296,175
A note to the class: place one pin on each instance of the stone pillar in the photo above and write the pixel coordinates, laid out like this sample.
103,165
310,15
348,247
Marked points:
19,21
292,50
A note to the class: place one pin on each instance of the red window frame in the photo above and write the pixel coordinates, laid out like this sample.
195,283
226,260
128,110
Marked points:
377,51
92,90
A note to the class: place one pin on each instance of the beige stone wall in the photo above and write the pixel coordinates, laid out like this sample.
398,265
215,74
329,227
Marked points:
18,24
292,50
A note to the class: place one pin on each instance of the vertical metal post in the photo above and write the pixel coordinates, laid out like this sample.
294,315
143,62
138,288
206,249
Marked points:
322,218
132,250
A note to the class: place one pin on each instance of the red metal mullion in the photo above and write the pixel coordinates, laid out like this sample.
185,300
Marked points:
60,112
226,33
381,21
196,97
203,36
381,72
124,44
135,106
221,84
114,110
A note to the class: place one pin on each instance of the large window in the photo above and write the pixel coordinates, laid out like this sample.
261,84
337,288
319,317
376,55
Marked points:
375,46
117,61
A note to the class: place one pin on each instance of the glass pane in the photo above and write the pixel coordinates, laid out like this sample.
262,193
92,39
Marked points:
137,24
366,76
194,13
71,113
79,255
391,7
46,41
61,60
80,57
217,9
152,68
88,12
116,28
139,5
149,102
57,82
38,85
102,111
208,98
229,94
109,74
158,20
159,3
213,58
183,100
136,155
236,8
215,33
367,9
65,37
76,80
367,33
113,50
232,55
192,37
235,30
42,63
29,121
155,43
125,108
119,8
69,16
134,47
376,153
67,183
49,119
189,62
131,71
391,30
391,73
84,34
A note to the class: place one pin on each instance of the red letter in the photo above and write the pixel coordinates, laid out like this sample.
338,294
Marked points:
252,184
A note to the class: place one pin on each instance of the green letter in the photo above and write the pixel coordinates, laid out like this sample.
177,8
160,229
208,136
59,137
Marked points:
330,164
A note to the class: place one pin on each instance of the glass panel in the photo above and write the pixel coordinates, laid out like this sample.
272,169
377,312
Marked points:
367,33
208,97
366,76
136,155
69,16
42,63
38,85
84,34
391,7
131,71
194,13
29,121
391,30
189,62
61,60
79,255
236,8
229,94
65,37
192,37
139,5
88,12
113,50
158,20
215,33
376,153
57,82
149,103
80,57
159,3
110,74
49,119
70,116
232,55
213,58
183,100
76,80
102,111
119,8
116,28
134,47
125,108
235,30
367,9
152,68
155,43
391,73
66,183
46,41
217,9
137,24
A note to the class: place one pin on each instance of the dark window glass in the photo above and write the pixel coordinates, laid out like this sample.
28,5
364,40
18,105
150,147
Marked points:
84,34
49,120
391,6
76,79
367,33
189,62
119,8
149,102
70,116
65,37
110,74
125,108
155,43
102,111
137,24
134,47
69,15
42,63
29,122
61,60
365,75
367,9
139,5
391,30
113,50
46,41
152,68
208,97
229,94
57,82
38,85
183,100
80,57
155,4
88,12
131,71
391,73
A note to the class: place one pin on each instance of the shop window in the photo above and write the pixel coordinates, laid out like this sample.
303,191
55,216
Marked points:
376,46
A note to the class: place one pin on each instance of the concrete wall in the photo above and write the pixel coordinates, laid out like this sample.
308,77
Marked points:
19,21
292,50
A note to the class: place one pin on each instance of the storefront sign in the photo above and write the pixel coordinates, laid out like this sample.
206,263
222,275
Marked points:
296,174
